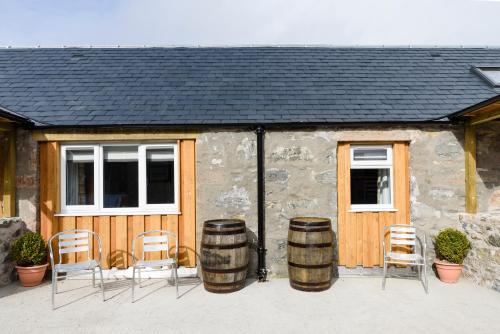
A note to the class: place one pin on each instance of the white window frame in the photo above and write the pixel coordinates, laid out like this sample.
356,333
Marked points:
388,163
98,207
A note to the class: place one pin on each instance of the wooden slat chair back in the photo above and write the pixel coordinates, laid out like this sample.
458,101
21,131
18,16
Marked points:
155,241
405,248
73,242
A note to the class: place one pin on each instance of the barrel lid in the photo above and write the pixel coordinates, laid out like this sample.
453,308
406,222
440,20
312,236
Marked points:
222,223
310,221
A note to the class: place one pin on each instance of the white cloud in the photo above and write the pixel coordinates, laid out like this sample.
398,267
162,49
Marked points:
225,22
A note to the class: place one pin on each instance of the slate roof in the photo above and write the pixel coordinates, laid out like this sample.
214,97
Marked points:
241,85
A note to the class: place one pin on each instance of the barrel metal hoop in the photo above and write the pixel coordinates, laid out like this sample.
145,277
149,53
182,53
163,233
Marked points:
226,283
224,271
231,246
301,223
222,224
309,266
322,245
298,229
310,283
220,232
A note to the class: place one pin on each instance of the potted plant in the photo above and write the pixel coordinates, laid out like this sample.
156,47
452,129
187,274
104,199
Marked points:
29,253
451,248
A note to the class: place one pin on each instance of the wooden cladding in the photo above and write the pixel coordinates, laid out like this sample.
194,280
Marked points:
117,231
359,233
7,171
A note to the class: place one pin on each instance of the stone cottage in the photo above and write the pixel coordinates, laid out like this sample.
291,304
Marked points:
365,136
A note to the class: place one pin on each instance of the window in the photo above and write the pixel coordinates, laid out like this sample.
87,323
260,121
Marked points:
371,177
489,73
119,178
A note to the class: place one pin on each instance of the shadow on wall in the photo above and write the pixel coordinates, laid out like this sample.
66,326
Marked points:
253,257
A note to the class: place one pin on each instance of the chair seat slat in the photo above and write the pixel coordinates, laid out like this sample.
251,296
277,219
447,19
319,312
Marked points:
74,242
74,250
400,229
73,235
403,235
408,242
155,248
154,239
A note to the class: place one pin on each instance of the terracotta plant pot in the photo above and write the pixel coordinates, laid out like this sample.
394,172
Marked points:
31,276
448,272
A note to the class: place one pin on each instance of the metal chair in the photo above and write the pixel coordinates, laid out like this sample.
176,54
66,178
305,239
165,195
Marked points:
74,241
155,241
405,238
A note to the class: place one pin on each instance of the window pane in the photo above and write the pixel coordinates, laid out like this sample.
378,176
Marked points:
121,177
362,154
160,176
79,177
370,186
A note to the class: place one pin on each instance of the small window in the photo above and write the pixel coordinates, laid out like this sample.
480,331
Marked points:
489,73
124,178
371,177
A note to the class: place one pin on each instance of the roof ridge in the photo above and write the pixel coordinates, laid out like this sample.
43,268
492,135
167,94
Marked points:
277,46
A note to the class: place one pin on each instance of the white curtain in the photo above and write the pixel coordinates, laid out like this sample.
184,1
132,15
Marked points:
383,187
72,183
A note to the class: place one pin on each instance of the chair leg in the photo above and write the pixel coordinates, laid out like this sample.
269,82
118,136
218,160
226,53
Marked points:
93,277
54,287
426,282
102,284
139,271
133,283
385,275
176,281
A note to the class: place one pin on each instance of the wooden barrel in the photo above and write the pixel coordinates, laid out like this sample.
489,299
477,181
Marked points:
224,255
310,253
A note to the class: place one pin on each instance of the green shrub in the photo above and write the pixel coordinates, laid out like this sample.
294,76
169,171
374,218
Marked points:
29,250
451,245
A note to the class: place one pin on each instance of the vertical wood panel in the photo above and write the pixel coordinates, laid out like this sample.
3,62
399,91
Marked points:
470,168
112,242
49,190
170,223
130,237
105,233
121,256
84,223
155,224
8,179
359,237
341,202
138,227
187,220
68,223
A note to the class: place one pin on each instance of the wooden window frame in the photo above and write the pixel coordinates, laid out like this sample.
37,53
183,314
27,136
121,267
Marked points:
97,209
374,164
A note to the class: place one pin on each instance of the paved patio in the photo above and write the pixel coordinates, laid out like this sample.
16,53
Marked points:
352,305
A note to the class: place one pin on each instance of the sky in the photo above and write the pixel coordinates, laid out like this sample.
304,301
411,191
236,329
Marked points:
251,22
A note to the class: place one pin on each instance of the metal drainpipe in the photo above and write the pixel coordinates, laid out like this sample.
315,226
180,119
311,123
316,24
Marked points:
261,244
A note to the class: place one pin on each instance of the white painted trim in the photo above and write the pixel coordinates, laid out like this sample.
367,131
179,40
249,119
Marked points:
372,209
374,164
115,273
98,208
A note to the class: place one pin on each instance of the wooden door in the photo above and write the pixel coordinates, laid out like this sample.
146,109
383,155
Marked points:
359,233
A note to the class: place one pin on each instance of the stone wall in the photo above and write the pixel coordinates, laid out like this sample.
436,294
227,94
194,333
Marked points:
10,229
27,178
483,261
301,177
